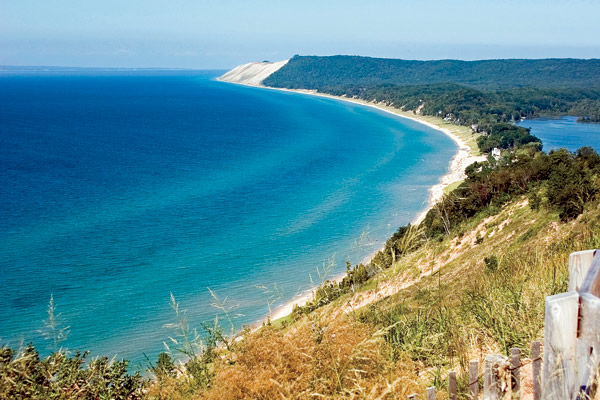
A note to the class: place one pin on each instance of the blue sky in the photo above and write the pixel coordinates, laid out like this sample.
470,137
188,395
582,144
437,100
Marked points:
224,33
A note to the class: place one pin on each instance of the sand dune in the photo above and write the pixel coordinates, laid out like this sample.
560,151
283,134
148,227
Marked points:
252,73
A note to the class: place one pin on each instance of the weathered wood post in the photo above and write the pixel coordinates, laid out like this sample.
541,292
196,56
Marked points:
579,265
536,369
588,343
515,373
494,384
572,342
431,394
452,388
473,379
560,347
588,340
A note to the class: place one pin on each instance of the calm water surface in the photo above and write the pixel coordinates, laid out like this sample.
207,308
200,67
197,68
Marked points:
564,132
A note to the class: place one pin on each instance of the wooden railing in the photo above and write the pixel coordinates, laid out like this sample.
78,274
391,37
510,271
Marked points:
571,347
501,377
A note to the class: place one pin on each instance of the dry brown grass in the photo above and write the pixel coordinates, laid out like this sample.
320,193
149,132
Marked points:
171,388
341,359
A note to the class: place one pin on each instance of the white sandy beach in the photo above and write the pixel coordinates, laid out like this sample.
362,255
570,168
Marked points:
253,74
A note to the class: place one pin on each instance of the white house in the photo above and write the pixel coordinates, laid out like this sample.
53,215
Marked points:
496,153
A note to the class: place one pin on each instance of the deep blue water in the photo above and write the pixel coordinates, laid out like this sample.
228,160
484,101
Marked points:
117,190
564,132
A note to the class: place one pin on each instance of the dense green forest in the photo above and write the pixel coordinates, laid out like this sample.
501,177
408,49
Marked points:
471,93
469,106
316,72
589,119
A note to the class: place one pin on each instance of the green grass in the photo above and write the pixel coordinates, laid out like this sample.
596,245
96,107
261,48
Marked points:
463,132
452,186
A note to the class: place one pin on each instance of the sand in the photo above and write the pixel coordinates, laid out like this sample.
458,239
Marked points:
254,73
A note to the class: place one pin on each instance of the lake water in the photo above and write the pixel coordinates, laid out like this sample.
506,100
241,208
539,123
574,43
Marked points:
119,189
564,132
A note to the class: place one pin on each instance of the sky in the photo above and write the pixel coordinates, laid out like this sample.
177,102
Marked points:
220,34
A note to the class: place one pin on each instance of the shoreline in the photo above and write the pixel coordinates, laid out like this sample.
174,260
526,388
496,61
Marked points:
463,157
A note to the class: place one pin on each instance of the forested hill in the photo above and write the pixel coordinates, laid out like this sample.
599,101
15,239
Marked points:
472,93
312,72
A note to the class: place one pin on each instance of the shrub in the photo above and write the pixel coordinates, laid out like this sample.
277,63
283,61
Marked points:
23,375
491,263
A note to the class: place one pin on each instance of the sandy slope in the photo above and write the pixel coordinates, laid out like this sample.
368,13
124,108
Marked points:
252,73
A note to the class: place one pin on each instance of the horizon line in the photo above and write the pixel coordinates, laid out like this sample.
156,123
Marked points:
4,67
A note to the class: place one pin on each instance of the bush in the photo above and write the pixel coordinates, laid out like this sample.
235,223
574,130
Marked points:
491,263
23,375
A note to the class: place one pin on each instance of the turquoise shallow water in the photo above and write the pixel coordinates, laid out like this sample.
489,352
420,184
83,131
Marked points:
117,190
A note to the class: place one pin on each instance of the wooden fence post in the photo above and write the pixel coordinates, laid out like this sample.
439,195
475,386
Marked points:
473,379
536,369
515,373
591,281
452,388
431,395
493,377
588,343
579,265
560,347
